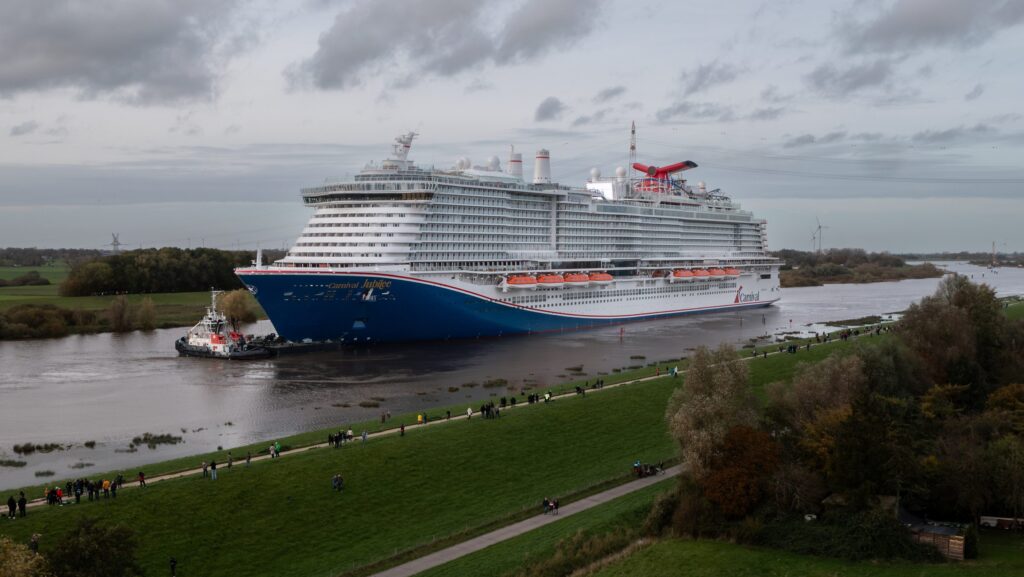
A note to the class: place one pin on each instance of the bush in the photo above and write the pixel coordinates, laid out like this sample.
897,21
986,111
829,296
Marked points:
872,534
660,516
971,542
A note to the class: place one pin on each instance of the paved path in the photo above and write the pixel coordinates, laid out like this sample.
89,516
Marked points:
497,536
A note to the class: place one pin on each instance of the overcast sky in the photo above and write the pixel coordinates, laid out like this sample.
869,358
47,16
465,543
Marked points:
898,123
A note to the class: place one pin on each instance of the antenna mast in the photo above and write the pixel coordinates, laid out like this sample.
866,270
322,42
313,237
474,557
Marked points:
632,145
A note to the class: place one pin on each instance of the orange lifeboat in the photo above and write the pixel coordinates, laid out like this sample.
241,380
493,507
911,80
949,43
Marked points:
716,273
601,278
577,279
550,280
681,275
701,274
522,282
732,271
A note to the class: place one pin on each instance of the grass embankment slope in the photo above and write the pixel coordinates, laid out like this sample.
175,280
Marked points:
281,517
1000,554
172,309
1015,311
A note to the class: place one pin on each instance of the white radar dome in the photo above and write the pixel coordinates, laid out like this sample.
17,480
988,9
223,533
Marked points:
595,174
620,172
493,163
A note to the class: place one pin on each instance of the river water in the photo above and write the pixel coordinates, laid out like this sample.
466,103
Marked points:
110,388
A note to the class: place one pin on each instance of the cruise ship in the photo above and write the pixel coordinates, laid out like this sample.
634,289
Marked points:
405,253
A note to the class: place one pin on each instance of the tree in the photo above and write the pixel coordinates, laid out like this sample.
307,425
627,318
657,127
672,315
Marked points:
1008,462
237,306
740,472
714,397
95,550
17,560
119,314
147,314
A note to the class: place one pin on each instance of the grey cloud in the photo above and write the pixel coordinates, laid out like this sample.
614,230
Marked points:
771,94
159,51
550,108
437,37
952,135
975,92
540,25
478,85
770,113
908,25
27,127
609,94
867,136
592,118
695,110
708,75
808,139
832,81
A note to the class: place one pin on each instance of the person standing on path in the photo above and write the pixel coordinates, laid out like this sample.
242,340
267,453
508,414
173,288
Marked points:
277,448
402,430
213,470
205,467
12,506
469,412
22,503
248,458
142,479
364,436
230,459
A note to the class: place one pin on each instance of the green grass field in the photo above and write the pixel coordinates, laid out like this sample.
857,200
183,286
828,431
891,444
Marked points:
1000,555
1016,310
503,557
172,309
55,272
281,518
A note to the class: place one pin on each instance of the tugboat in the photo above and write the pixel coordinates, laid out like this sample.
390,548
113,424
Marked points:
210,338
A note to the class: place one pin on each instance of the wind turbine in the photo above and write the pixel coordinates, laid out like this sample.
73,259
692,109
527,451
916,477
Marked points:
116,243
817,234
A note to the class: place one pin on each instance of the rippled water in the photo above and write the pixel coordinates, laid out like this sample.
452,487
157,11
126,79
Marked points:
109,388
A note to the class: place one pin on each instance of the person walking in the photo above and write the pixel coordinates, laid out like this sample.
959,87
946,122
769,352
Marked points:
401,432
277,448
22,503
364,436
248,458
205,467
213,470
230,459
142,479
469,412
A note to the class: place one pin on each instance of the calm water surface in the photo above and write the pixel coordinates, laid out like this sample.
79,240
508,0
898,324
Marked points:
110,388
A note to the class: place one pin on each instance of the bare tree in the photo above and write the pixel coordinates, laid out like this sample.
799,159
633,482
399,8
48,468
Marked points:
238,306
715,397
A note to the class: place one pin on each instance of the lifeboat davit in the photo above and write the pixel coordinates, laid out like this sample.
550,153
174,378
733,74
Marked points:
732,271
601,278
701,274
716,273
550,280
681,275
522,282
577,279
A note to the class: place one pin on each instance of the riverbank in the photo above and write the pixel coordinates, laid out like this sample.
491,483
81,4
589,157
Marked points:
861,274
500,467
88,314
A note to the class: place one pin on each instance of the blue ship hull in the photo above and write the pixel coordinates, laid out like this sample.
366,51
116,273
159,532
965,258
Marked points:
374,307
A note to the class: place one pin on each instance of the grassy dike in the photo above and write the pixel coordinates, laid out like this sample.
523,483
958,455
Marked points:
1001,554
281,518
